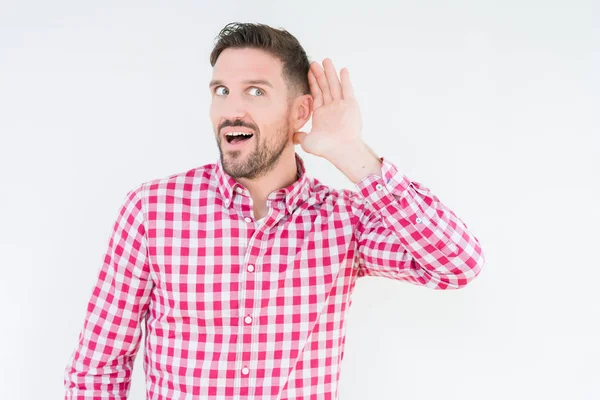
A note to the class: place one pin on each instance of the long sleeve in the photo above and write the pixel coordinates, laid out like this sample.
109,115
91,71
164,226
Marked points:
100,367
406,233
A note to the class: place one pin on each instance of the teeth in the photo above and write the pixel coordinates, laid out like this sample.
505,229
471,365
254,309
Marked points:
239,134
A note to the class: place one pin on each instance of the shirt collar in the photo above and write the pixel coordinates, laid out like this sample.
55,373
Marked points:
292,195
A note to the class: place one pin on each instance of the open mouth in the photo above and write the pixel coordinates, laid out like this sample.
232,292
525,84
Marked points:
237,137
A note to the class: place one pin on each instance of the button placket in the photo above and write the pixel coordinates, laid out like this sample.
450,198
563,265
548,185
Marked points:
246,327
249,299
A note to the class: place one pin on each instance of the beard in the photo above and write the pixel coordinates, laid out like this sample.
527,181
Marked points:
261,160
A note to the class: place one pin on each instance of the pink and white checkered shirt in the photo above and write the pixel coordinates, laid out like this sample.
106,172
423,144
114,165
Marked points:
239,309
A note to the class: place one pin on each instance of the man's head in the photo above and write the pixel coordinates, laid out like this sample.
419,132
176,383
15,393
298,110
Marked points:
259,87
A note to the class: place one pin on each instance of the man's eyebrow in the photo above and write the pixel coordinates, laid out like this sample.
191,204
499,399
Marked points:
218,82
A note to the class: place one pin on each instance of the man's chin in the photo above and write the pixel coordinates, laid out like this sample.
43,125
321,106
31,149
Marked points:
234,166
233,157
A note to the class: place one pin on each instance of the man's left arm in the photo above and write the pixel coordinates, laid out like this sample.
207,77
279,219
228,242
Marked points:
404,231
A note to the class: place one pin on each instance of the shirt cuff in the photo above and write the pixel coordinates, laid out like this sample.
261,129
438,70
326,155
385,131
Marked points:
374,189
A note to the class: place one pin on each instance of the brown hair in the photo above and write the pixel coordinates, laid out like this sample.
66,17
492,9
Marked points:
277,42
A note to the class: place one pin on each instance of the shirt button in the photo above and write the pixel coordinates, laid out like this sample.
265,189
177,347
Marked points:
238,190
250,268
419,220
248,319
245,371
379,186
248,219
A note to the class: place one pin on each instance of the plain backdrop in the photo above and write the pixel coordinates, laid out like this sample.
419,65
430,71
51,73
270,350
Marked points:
492,105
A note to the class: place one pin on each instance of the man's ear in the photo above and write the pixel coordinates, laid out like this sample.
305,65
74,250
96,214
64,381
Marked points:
302,110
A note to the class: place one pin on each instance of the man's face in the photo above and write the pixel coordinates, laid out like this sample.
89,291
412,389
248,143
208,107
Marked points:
249,96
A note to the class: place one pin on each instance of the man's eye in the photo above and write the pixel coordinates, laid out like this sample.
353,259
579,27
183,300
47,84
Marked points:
258,91
225,90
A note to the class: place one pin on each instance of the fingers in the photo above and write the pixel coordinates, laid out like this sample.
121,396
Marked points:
347,88
325,85
332,79
315,89
322,81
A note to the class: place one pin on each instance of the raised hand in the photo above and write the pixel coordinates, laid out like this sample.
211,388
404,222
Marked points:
336,119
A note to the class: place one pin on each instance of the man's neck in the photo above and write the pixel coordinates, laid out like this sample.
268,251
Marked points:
283,174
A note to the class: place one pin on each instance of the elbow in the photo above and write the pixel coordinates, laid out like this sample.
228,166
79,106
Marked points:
470,269
461,271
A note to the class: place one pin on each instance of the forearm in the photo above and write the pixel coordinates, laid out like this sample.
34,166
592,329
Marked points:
355,160
408,232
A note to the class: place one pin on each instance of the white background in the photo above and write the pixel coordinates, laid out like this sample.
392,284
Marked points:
489,104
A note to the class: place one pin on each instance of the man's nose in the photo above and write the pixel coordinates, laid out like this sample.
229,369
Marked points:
234,107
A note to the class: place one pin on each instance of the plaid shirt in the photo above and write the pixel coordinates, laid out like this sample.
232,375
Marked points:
239,309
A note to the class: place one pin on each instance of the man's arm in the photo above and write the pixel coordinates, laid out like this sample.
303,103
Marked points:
405,232
102,362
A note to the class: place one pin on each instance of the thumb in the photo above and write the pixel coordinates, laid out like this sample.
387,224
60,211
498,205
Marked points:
299,137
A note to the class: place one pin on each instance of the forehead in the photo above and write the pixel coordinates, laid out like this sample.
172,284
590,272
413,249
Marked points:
241,64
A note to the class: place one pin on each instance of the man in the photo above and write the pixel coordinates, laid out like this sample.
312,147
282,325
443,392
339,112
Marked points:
242,271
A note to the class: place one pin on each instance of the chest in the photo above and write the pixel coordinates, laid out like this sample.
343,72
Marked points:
217,267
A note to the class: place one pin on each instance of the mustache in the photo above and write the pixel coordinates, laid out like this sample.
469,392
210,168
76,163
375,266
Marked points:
237,123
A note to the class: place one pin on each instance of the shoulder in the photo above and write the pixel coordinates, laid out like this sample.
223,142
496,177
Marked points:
179,185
